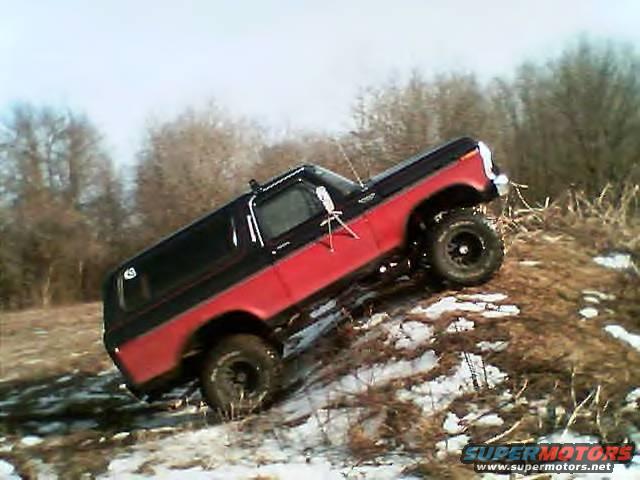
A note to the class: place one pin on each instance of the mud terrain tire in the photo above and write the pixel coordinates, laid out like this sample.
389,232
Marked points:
464,248
240,374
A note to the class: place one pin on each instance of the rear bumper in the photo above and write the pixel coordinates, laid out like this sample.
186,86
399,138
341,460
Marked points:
501,184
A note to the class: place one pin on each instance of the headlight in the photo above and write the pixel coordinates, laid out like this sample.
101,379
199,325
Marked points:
487,162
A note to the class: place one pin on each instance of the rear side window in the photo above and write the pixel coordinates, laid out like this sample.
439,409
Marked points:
287,209
178,261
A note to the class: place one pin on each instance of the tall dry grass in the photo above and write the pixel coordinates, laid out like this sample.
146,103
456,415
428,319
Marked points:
609,221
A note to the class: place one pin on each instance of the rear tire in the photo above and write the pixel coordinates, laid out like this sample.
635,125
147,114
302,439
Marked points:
464,248
240,375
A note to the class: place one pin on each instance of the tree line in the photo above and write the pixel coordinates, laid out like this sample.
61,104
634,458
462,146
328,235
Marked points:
68,215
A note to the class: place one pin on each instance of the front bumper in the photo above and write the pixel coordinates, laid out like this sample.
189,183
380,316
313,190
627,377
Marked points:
501,184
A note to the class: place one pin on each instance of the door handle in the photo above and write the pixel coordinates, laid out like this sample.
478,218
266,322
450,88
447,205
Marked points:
280,247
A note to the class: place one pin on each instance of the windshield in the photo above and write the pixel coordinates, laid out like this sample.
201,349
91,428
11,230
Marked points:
340,183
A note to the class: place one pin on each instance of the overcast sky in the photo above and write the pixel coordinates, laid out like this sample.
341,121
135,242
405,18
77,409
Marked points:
289,64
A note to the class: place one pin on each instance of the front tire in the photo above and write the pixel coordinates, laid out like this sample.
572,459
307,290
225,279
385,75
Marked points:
465,249
240,375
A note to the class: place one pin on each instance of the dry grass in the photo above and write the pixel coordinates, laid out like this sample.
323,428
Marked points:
40,343
566,373
609,221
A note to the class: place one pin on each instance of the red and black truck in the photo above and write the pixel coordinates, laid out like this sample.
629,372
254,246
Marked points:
219,299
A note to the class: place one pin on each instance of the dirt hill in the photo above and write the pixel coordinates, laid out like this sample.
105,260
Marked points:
550,348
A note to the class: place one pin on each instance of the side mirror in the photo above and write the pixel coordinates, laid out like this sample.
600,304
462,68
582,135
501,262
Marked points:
325,198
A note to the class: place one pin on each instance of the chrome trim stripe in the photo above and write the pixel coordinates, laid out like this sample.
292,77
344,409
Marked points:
295,172
255,222
253,198
254,239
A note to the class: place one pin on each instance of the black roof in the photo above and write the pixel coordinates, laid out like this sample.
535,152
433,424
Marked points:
174,234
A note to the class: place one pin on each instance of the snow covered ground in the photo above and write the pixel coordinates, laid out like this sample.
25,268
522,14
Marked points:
308,434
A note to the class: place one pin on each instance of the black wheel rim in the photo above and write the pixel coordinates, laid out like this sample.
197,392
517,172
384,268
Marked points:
465,249
241,379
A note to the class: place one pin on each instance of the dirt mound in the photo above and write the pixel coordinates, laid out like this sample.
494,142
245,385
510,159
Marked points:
549,347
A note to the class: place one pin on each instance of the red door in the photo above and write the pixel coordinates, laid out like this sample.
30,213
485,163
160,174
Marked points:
294,227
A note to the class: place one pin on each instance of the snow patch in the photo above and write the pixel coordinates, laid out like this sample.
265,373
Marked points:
376,319
633,396
121,466
451,423
615,261
460,325
588,312
491,420
567,436
482,303
530,263
498,346
447,304
314,470
452,445
281,471
7,471
597,294
229,451
31,441
309,400
408,335
44,471
485,297
621,333
324,425
454,425
436,394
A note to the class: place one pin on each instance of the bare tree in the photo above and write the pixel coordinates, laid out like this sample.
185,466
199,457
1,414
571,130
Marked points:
190,165
398,120
574,120
51,167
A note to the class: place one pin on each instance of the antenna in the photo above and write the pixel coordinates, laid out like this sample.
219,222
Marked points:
346,157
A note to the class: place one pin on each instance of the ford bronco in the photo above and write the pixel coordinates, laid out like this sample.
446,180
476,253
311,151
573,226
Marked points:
218,300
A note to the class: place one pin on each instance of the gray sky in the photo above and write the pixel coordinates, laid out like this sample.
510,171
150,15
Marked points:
289,64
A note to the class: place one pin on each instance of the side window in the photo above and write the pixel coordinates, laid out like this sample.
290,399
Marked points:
177,261
287,209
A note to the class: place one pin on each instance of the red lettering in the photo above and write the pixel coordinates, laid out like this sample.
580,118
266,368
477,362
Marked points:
548,453
611,452
566,453
625,453
595,453
581,449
